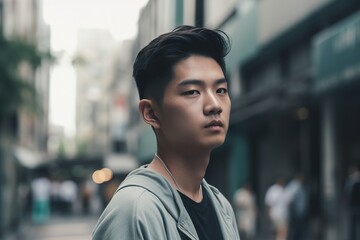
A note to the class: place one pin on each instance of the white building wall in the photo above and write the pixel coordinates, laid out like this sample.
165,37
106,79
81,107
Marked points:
157,17
189,12
217,11
277,16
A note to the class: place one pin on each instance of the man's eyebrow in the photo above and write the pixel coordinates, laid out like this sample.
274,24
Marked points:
200,82
190,82
220,81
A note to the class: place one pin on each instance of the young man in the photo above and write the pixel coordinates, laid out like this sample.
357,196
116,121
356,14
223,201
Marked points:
181,80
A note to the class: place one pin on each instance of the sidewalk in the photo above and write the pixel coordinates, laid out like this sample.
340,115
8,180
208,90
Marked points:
58,228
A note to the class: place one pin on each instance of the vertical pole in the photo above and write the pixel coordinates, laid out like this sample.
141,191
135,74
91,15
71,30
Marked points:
2,185
179,16
199,13
329,153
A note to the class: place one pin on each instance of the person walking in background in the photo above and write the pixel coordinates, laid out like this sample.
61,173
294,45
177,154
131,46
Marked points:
278,209
40,189
55,195
298,207
352,193
68,195
184,97
245,209
87,192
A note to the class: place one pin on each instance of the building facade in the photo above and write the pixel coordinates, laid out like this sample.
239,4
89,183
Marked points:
24,141
289,114
293,73
94,65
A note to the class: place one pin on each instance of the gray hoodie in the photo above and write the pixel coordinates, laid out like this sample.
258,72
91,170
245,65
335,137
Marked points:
146,206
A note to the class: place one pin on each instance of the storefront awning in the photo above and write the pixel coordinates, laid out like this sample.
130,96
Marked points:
336,55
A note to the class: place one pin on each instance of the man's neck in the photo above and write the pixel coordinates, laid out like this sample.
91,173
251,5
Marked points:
187,170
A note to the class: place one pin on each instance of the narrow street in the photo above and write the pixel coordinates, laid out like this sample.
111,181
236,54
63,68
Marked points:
58,228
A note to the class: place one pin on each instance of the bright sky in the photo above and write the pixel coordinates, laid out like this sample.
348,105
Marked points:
65,17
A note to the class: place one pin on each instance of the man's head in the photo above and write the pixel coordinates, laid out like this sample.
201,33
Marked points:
183,88
153,67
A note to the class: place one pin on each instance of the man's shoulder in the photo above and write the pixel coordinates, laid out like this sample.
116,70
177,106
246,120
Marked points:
129,208
128,205
135,196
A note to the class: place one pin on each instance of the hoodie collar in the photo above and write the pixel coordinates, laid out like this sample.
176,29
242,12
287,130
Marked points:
170,198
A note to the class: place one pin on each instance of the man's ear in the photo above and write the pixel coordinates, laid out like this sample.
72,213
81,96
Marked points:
147,111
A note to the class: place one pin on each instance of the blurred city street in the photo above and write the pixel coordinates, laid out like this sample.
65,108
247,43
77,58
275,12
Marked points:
57,228
70,129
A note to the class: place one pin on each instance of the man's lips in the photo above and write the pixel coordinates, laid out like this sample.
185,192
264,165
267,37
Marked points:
214,123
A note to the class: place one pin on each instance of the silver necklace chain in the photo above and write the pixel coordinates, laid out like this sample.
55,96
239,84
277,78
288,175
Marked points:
168,171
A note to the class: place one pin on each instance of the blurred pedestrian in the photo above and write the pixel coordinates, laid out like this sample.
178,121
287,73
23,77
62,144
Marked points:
275,200
87,191
352,193
55,195
183,93
298,207
68,195
40,189
245,209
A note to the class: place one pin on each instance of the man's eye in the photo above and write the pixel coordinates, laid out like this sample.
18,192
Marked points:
192,92
222,90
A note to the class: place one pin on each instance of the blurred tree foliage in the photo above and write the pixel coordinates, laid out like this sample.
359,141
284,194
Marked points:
14,91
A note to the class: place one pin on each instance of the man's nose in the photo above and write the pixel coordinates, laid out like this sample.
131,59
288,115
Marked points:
212,104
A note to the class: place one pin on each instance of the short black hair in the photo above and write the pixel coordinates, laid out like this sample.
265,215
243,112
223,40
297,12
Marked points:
153,67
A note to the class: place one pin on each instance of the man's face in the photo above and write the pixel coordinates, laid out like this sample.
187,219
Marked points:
196,106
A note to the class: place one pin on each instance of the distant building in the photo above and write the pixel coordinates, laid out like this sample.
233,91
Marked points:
94,60
103,82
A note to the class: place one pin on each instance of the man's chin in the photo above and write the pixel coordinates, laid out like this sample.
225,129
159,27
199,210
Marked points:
206,144
215,144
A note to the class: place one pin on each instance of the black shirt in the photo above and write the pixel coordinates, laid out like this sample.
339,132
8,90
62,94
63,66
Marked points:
204,217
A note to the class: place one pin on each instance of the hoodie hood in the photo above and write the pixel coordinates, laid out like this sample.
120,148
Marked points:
117,220
171,200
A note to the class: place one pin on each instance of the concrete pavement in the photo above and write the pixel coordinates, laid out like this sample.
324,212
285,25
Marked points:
58,228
